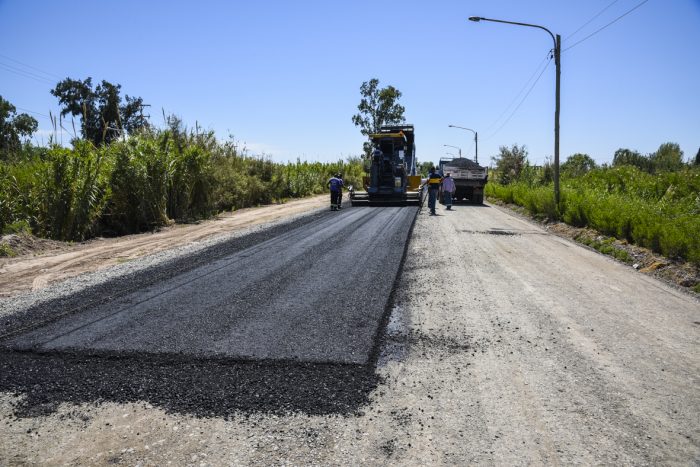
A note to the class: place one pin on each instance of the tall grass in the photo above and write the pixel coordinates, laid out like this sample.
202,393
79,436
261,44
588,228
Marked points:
138,185
660,212
60,195
147,181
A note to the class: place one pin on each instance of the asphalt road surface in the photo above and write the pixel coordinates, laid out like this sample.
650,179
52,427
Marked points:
314,293
506,345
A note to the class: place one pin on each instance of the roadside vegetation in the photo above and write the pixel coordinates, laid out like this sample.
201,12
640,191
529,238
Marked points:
651,200
114,182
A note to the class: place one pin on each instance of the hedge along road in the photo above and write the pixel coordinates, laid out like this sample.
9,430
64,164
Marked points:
315,293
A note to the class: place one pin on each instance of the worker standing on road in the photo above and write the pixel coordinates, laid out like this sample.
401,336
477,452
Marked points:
448,190
336,185
340,193
433,183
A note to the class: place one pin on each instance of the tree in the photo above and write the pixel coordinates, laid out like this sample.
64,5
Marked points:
13,128
625,156
510,163
424,168
104,117
668,158
697,158
578,165
378,107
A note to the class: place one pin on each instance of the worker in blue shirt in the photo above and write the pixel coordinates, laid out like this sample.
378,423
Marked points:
336,185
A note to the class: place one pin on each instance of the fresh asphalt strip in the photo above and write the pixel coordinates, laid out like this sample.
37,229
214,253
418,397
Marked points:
287,319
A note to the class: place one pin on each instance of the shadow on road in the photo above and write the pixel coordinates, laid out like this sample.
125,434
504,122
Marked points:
469,206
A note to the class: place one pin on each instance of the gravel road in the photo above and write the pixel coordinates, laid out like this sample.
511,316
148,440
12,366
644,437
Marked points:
504,345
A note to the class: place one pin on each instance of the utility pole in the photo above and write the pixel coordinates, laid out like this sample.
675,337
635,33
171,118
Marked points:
557,62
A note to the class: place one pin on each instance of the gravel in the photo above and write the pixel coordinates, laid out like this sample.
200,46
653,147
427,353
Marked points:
151,268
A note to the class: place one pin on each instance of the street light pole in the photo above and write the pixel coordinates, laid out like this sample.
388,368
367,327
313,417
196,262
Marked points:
557,62
476,141
456,147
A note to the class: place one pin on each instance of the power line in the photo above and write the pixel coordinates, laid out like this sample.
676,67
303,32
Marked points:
53,120
32,112
519,104
609,24
24,73
514,100
590,20
30,66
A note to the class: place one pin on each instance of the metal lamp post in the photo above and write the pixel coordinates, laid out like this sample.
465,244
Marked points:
476,141
557,62
456,147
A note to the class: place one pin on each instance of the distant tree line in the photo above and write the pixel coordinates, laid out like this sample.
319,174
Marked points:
512,165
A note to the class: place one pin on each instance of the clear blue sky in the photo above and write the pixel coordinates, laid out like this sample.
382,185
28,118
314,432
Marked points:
284,76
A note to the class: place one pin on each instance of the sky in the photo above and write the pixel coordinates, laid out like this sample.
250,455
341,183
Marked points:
283,77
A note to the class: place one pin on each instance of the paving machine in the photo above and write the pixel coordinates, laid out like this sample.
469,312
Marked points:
392,178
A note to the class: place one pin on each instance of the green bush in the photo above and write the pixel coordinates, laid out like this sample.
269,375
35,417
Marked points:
7,251
660,212
17,227
138,184
71,190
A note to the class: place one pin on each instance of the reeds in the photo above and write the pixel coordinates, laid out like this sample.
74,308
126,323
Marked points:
147,181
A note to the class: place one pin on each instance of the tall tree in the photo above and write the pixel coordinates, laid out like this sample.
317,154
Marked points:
697,158
510,162
378,106
13,128
103,115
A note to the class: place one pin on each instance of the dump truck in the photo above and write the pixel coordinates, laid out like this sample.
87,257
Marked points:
469,177
392,178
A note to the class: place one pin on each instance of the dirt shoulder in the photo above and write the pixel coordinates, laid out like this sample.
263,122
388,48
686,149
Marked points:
40,262
677,273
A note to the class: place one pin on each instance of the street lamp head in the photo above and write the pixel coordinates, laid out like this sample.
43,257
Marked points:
476,19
